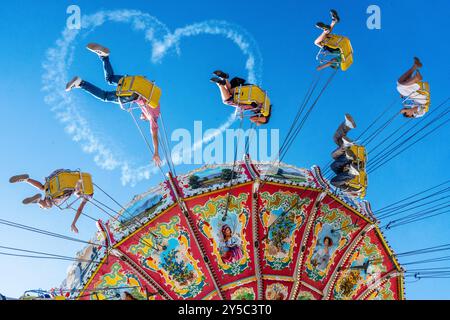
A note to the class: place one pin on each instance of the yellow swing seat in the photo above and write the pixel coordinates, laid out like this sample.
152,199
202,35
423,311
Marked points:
345,47
360,181
250,94
67,181
140,85
425,91
360,153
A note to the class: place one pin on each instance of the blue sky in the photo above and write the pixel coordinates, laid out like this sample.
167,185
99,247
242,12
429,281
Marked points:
34,141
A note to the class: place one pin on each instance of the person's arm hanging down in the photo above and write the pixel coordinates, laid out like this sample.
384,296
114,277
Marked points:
154,131
152,115
73,227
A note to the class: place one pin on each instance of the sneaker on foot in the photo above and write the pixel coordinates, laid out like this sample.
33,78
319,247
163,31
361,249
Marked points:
98,49
334,15
323,26
349,122
18,178
221,74
33,199
74,83
218,80
353,171
346,142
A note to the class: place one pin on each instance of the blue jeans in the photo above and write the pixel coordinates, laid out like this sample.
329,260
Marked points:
339,164
341,179
112,79
338,167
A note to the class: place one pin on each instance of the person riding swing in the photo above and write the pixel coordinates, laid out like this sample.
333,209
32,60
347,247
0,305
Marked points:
59,186
344,159
414,91
247,97
150,108
335,50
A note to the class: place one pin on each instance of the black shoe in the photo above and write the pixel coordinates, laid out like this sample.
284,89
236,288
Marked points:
221,74
334,15
218,80
323,26
417,62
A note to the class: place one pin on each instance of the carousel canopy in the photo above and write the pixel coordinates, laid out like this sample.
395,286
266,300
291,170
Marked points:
240,231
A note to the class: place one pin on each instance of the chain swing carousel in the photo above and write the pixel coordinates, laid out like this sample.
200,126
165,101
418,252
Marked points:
239,231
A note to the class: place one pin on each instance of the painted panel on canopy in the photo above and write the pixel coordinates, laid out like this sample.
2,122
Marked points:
118,276
368,263
332,232
167,251
227,239
389,290
281,229
211,178
277,289
149,203
305,293
142,209
242,290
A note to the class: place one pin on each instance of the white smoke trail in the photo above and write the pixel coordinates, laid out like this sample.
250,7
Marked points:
240,37
59,59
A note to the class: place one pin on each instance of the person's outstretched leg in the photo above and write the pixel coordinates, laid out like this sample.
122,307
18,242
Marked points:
416,78
338,152
340,136
334,19
327,29
106,96
339,164
409,77
224,87
225,92
341,179
110,77
343,129
103,54
35,183
228,85
340,133
26,178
